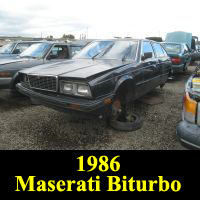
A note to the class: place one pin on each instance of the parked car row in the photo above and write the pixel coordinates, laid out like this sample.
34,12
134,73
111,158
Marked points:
103,78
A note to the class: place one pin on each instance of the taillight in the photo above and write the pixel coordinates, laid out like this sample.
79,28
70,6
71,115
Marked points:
189,108
176,61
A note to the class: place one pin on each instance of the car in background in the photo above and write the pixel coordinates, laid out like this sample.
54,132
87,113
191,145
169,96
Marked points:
13,49
102,79
188,130
36,54
157,39
182,37
179,54
198,48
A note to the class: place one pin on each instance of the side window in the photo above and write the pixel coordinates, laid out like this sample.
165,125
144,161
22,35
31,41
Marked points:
146,48
160,52
75,49
59,52
20,48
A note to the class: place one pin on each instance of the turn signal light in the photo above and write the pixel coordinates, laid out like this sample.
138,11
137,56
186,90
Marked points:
189,108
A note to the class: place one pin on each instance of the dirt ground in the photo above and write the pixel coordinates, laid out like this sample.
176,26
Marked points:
26,126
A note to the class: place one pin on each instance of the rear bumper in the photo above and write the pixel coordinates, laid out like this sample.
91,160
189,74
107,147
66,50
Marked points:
188,134
67,104
5,83
178,68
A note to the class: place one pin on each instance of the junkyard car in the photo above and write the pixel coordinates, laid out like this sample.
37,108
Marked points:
102,78
179,54
188,130
15,48
37,54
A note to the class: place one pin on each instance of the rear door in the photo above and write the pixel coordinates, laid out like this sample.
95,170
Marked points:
163,63
150,68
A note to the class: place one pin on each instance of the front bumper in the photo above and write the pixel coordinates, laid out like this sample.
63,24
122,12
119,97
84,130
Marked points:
188,134
5,83
66,104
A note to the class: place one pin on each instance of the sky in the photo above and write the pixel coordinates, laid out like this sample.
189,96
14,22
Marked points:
99,19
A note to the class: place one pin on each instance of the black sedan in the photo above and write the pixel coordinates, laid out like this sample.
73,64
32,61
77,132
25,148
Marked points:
37,54
101,79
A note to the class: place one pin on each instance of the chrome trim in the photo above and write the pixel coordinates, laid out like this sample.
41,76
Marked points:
137,51
189,143
75,89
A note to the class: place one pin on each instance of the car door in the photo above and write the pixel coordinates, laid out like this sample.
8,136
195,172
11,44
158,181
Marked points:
163,63
149,67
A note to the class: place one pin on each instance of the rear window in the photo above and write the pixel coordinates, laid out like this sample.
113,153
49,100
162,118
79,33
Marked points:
172,48
160,52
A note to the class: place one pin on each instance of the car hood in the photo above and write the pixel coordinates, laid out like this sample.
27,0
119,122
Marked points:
76,68
6,55
5,61
19,63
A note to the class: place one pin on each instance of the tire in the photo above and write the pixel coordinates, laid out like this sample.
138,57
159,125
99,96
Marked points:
127,126
15,93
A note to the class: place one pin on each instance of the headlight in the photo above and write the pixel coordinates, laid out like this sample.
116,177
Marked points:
83,90
67,88
77,89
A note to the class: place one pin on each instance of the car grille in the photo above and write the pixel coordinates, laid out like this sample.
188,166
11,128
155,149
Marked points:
48,83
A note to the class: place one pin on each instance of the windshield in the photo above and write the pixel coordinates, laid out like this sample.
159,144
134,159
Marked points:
172,48
109,50
7,48
36,50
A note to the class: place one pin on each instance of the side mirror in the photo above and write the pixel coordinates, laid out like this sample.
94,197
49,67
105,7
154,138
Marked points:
147,55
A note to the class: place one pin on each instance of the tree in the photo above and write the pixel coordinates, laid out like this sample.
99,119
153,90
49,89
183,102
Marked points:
50,37
68,37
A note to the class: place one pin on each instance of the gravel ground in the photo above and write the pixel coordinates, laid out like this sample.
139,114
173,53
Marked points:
25,126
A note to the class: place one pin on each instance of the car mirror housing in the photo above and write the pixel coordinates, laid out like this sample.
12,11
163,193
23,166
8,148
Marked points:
147,55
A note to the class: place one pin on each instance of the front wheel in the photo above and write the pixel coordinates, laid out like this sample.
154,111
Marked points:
124,118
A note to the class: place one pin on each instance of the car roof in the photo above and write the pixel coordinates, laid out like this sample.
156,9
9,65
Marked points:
42,41
173,43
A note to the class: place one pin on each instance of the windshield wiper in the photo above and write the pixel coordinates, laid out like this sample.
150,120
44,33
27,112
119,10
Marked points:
28,57
95,55
104,51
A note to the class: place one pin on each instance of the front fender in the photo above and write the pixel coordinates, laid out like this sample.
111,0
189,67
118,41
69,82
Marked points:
122,80
14,80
